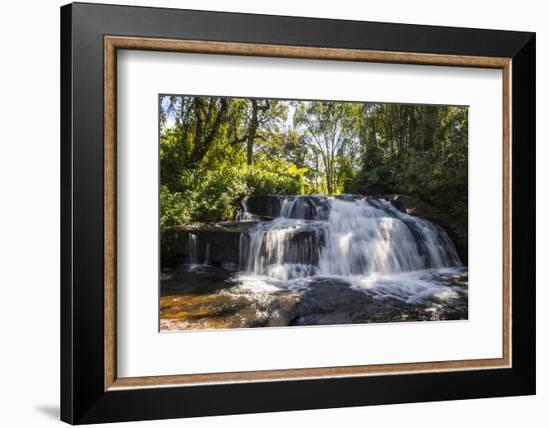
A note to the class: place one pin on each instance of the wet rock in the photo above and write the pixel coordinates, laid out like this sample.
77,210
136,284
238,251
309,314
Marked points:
207,297
265,206
301,246
216,244
185,280
297,207
331,302
414,206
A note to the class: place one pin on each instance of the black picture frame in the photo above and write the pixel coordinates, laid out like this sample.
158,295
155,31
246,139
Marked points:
83,398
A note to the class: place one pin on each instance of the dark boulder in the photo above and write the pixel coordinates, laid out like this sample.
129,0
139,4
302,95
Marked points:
265,206
296,206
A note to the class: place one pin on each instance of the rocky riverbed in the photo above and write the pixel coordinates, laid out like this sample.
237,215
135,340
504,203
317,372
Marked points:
312,260
206,297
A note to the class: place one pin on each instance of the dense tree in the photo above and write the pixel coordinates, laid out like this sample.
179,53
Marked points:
330,132
420,150
215,151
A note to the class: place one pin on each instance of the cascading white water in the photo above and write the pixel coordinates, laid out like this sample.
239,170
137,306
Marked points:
371,236
192,249
305,207
207,254
244,214
283,248
343,237
289,246
337,260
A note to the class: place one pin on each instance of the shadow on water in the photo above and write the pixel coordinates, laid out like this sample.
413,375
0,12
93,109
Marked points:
194,280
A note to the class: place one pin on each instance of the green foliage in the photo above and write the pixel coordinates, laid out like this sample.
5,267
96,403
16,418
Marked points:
329,131
208,195
175,208
216,151
276,178
427,158
211,195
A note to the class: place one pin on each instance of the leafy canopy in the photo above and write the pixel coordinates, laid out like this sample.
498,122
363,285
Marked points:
216,151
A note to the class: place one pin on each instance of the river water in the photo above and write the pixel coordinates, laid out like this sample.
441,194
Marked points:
321,261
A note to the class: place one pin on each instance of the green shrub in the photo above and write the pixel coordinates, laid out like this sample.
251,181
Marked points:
276,178
210,195
175,208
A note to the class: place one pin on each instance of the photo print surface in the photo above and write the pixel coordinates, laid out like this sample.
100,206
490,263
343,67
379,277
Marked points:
303,213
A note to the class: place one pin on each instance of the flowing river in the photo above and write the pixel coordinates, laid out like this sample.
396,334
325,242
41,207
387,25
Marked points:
321,261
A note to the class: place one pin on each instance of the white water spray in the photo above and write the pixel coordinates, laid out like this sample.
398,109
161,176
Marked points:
343,237
193,249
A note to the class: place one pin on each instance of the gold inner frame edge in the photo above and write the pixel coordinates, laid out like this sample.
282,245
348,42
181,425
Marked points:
113,43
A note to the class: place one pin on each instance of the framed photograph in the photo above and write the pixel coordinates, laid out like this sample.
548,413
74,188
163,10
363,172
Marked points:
265,213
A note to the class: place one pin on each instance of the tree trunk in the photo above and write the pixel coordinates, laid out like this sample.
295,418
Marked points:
252,133
204,140
430,122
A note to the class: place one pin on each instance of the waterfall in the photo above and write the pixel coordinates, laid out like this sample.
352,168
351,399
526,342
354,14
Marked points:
343,236
283,248
244,214
193,249
316,260
207,254
305,207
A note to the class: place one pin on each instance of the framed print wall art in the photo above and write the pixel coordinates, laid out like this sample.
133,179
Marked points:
265,213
